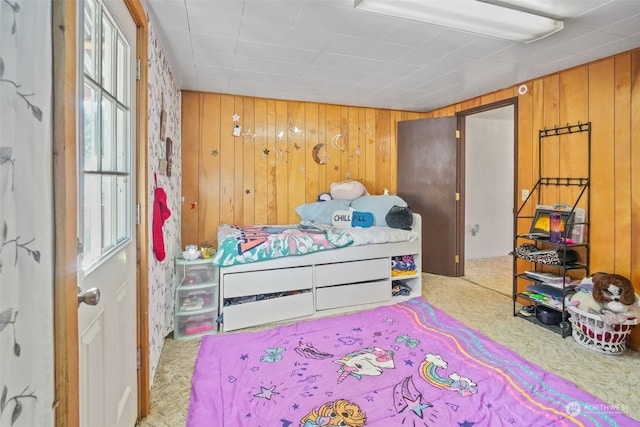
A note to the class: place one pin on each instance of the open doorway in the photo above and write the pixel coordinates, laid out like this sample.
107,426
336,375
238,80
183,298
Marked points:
490,136
489,173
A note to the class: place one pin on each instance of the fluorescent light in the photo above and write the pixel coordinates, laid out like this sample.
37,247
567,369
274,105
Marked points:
471,16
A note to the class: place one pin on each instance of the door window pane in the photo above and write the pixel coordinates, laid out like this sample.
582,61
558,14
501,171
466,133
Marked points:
91,129
92,245
108,54
107,133
90,38
123,197
122,83
122,131
109,208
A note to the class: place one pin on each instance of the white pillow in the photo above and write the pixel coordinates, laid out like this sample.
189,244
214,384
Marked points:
347,190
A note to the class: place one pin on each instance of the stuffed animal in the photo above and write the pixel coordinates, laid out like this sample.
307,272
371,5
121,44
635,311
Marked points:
583,299
615,293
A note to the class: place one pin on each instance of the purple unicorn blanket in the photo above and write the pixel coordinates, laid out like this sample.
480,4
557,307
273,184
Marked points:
408,364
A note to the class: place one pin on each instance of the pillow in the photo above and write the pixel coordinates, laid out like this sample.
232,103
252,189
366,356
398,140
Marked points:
351,218
347,190
400,217
379,206
321,211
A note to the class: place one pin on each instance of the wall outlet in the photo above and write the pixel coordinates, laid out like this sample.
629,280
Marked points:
525,194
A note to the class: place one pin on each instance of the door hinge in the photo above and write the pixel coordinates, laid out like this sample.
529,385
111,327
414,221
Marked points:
457,134
457,197
137,68
457,259
138,214
138,361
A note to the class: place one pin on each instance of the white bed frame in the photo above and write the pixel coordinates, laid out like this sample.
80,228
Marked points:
320,284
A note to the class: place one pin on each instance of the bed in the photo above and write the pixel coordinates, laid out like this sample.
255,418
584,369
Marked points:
311,269
406,364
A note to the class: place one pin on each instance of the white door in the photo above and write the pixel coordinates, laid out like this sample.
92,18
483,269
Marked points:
107,330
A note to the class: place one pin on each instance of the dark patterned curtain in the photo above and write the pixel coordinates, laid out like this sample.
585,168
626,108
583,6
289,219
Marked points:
26,214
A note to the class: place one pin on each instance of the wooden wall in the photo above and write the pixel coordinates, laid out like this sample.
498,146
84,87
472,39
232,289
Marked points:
229,179
260,176
607,94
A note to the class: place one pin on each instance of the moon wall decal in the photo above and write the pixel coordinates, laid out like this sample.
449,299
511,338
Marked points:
320,159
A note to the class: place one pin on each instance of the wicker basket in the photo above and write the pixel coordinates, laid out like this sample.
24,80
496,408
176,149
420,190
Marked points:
590,331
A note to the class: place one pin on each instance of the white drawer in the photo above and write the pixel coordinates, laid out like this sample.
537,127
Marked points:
267,311
267,281
355,294
352,272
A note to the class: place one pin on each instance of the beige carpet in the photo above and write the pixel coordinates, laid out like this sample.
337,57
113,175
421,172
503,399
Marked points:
481,300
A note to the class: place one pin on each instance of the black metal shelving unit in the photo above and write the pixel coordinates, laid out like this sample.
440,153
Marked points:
562,269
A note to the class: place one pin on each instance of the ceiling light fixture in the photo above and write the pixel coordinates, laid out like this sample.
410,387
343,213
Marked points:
470,16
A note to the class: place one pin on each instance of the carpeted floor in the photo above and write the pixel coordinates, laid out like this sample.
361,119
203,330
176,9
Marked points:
482,300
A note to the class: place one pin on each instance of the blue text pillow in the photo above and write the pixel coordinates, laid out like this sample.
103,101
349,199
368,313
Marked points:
321,212
379,206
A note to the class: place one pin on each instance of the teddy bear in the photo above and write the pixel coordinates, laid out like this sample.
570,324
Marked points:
615,293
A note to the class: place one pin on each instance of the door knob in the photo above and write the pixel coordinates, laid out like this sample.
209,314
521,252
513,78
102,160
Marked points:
90,297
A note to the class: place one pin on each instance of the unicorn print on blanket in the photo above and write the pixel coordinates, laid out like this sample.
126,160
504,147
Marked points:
367,361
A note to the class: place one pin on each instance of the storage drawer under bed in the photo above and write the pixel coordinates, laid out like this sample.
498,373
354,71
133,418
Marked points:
267,281
352,294
352,272
267,311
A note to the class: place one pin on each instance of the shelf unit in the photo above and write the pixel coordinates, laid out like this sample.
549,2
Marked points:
553,298
196,298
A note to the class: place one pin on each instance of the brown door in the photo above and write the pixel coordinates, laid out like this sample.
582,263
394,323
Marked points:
428,180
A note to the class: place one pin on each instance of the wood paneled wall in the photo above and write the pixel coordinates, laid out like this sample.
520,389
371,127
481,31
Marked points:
607,94
261,176
261,179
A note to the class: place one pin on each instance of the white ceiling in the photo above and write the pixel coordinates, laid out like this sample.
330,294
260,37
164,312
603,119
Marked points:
328,52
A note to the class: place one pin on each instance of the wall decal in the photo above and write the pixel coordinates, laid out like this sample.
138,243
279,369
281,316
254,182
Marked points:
249,136
163,121
279,156
337,142
319,154
236,118
291,127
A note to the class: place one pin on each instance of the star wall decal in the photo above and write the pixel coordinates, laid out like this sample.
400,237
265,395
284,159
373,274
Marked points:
265,152
248,136
336,168
236,118
296,146
215,152
247,191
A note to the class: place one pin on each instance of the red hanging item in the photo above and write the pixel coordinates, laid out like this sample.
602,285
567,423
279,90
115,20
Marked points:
160,214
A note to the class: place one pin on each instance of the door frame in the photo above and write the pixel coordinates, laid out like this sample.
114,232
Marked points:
462,115
66,351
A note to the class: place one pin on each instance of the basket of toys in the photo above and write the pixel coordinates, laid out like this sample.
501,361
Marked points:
594,332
